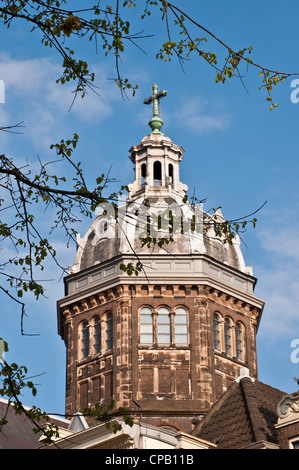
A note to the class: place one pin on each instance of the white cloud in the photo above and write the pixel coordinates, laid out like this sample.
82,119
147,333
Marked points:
278,276
33,96
201,115
5,120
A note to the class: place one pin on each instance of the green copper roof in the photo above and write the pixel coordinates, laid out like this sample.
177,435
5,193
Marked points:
155,122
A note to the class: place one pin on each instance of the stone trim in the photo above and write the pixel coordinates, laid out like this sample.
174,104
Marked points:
288,410
166,270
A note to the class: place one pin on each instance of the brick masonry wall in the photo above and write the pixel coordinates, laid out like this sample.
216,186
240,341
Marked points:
287,433
168,385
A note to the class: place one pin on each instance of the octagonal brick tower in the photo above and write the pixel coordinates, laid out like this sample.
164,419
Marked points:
165,344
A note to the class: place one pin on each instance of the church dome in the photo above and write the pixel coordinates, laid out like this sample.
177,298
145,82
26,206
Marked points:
108,238
156,209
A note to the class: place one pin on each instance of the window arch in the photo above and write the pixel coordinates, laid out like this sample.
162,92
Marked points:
157,173
109,331
228,336
163,326
146,326
170,173
217,319
103,227
143,174
84,339
97,335
239,341
181,326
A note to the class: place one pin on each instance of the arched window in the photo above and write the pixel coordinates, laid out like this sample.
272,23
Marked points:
180,326
233,335
146,326
163,326
143,174
217,331
228,336
170,173
97,335
103,227
84,339
239,338
109,331
157,173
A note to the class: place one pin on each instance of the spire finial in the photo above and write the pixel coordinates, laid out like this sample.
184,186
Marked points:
155,122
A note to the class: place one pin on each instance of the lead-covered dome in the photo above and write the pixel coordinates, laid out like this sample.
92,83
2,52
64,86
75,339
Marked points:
155,209
108,238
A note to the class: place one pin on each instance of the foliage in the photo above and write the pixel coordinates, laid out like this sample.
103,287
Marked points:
14,380
106,411
106,25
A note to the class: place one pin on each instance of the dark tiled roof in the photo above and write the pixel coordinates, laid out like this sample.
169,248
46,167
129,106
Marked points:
18,432
243,415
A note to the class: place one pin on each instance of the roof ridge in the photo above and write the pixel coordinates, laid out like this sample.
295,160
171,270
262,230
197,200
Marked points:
249,391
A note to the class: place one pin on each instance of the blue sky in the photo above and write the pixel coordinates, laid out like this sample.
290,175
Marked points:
238,154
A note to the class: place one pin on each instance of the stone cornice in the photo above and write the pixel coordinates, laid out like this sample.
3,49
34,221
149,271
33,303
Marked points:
106,280
166,267
163,269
